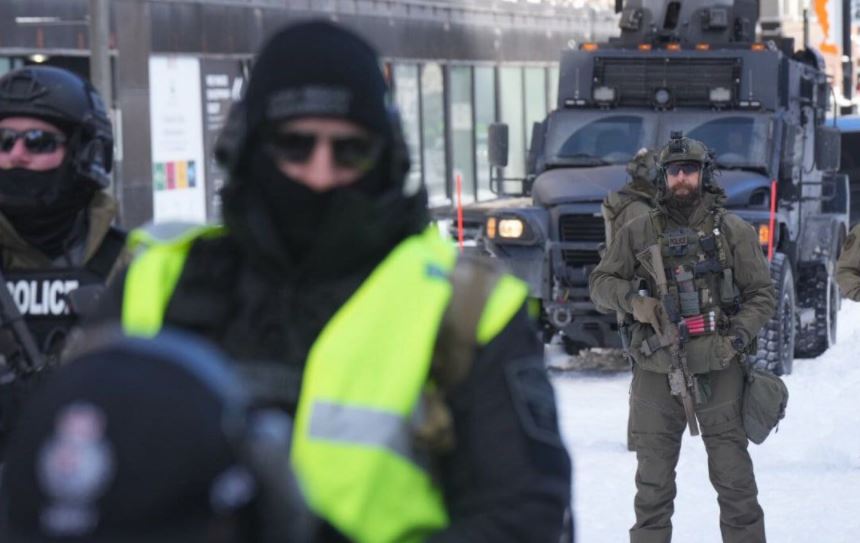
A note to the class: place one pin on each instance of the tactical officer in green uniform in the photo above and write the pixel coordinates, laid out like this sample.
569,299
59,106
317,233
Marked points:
416,380
633,199
620,207
719,293
848,267
56,232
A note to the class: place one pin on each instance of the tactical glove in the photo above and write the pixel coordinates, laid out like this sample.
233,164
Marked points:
649,310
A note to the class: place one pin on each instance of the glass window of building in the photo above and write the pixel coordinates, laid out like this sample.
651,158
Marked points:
485,114
462,145
552,87
407,98
535,99
511,100
433,130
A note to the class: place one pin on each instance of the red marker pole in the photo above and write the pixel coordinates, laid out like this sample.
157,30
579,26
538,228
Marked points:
459,185
772,220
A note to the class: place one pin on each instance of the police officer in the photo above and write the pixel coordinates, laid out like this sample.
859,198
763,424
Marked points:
149,440
633,199
414,420
55,221
848,266
720,286
620,207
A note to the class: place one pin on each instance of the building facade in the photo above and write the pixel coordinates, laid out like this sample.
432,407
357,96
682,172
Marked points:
455,66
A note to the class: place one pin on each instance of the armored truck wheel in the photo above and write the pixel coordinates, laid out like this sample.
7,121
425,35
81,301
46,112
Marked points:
776,339
818,291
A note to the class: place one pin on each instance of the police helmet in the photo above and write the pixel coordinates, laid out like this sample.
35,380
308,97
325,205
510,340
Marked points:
149,440
643,166
73,104
684,149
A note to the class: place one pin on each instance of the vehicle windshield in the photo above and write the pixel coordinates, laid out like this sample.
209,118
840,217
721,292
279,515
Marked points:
594,138
737,141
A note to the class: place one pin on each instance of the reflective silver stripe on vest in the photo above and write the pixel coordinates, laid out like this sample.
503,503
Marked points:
364,426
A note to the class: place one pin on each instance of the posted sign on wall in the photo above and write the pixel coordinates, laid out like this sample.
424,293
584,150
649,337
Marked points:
221,85
178,168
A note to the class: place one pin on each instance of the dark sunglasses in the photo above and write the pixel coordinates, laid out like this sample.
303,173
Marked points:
36,141
351,152
686,167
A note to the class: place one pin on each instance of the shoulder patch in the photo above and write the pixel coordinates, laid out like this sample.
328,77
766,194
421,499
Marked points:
534,400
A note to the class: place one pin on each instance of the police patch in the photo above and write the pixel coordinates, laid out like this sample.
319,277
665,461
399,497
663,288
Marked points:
534,400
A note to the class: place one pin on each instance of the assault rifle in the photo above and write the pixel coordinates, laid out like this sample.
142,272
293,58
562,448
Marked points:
675,335
26,359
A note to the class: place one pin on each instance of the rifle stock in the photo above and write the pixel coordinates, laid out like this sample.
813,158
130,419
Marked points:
29,360
681,382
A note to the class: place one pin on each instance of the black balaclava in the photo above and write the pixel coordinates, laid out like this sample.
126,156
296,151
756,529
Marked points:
46,208
290,228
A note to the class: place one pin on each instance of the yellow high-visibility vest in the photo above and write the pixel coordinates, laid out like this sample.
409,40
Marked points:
352,448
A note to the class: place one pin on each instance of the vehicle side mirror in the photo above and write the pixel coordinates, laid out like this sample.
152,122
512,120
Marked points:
828,148
497,139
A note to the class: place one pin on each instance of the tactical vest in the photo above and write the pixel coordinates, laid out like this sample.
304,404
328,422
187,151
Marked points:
44,296
702,294
354,448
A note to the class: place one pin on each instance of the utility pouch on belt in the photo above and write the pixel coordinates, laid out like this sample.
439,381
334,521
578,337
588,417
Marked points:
764,403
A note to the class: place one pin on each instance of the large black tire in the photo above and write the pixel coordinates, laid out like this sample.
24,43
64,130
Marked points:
817,289
776,338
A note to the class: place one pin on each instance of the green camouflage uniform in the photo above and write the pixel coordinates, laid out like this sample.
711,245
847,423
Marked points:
848,267
657,417
632,200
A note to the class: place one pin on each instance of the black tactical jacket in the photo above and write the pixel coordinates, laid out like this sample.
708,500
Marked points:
509,477
40,289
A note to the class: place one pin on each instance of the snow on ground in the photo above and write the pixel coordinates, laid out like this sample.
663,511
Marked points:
808,473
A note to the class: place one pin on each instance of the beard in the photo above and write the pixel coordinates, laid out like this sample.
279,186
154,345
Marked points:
684,196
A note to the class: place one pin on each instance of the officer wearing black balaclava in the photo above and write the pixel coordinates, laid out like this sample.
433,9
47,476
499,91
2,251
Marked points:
55,221
413,421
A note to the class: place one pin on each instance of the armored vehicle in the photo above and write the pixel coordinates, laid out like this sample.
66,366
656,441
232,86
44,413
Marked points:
693,66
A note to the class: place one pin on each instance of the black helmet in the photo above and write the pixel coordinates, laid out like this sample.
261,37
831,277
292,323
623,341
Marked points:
73,104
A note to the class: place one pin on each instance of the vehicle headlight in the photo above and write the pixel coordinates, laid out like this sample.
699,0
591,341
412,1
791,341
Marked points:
511,228
604,94
720,95
662,97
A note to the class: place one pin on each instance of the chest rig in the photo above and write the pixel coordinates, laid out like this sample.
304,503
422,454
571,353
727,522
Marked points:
698,273
52,300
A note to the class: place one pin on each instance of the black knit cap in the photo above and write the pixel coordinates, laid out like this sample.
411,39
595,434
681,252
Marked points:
317,69
124,445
